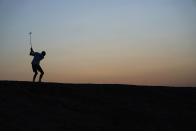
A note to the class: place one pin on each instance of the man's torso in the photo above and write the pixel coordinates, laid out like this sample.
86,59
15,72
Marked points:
37,58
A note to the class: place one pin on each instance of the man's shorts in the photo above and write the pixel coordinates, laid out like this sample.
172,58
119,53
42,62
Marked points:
37,68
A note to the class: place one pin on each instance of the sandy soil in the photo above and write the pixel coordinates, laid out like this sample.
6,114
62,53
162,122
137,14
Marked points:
26,106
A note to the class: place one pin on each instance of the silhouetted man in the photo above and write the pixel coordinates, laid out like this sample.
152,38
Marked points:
35,63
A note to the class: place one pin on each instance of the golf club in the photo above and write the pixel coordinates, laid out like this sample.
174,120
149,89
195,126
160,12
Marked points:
30,39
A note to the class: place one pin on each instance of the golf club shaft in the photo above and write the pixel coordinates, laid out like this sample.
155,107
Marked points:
30,39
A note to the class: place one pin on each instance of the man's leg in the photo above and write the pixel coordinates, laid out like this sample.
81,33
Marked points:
41,71
34,76
34,67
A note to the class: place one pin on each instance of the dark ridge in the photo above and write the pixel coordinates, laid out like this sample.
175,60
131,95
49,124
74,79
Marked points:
27,106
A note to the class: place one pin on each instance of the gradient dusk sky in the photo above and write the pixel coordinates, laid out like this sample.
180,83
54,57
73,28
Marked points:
146,42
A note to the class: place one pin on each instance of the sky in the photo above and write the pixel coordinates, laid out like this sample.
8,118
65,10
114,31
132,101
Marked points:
143,42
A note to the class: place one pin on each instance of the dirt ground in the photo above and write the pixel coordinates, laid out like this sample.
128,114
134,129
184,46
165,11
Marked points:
27,106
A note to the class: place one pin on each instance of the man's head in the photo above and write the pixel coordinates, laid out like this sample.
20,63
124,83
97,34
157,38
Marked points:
43,53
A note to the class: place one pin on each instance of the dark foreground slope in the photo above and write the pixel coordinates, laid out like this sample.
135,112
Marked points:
26,106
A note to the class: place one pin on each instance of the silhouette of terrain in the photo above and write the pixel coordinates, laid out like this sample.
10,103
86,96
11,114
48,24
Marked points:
27,106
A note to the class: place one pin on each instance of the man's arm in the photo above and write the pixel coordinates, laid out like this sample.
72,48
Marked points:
32,52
